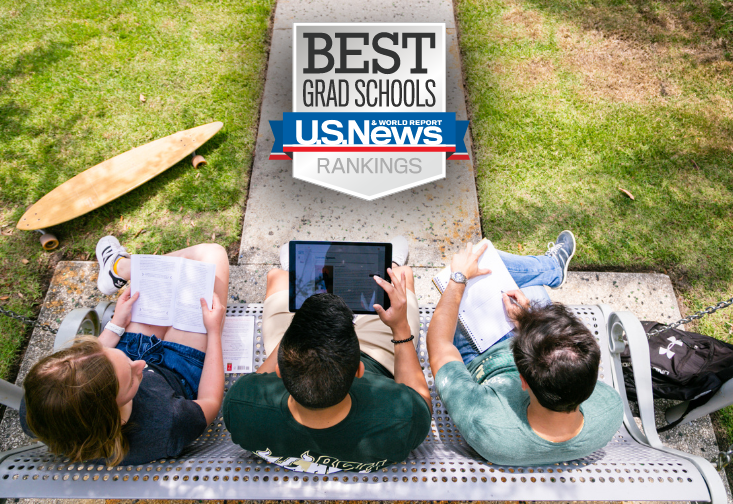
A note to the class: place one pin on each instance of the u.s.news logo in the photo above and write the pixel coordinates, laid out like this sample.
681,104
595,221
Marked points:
369,103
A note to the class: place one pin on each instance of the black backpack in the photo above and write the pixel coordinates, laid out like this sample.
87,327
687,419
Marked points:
686,366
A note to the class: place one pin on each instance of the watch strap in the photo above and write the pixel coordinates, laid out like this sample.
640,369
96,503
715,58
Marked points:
119,331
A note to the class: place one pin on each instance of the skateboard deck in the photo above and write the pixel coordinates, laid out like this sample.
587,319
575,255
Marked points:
113,178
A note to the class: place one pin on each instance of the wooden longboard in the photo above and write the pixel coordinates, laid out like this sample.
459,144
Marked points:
111,179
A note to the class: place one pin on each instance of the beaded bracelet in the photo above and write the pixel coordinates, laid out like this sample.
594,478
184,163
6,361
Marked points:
397,342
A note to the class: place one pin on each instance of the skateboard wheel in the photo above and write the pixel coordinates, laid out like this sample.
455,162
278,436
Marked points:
49,241
197,160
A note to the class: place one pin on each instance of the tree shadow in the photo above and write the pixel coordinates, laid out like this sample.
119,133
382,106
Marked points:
703,23
684,233
13,116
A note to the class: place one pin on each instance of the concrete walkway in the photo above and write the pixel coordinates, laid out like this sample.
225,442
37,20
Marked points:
433,217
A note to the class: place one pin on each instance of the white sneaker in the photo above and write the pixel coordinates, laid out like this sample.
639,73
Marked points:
108,250
285,257
399,250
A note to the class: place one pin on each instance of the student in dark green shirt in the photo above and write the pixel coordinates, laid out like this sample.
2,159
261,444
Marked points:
335,394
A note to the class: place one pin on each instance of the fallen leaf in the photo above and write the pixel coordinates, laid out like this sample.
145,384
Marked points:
213,236
139,231
188,242
181,209
142,98
7,232
695,165
198,174
24,261
121,217
20,295
627,193
519,247
4,298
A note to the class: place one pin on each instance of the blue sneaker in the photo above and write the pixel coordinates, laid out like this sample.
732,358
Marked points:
562,250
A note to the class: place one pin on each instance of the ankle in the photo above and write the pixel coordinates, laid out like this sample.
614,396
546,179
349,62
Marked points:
122,268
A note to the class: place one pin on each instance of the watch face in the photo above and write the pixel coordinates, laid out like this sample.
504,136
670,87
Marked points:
459,277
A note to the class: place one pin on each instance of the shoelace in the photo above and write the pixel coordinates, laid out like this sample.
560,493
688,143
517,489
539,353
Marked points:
553,248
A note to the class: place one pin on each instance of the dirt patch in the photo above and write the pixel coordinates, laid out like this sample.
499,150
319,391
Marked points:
523,24
613,69
533,73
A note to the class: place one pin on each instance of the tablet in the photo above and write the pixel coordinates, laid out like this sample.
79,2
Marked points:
342,268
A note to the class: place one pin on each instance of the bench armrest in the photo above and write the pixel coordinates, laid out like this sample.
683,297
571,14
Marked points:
625,323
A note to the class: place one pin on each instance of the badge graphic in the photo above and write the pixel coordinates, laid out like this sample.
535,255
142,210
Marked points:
369,108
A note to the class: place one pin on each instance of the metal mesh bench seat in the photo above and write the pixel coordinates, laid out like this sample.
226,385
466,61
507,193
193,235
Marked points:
444,467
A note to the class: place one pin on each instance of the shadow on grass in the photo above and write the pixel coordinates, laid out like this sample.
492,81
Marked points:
698,22
13,116
686,237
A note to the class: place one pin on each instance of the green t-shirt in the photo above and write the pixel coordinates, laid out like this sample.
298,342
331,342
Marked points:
386,421
489,407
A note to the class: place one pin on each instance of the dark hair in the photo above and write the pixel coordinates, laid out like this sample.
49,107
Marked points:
71,403
557,356
319,353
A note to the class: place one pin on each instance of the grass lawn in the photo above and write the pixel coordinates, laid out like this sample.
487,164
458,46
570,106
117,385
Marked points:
72,80
573,99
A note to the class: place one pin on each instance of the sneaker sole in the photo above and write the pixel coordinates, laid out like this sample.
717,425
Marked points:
567,262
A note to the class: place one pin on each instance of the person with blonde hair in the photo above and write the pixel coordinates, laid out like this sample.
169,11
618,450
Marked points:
138,392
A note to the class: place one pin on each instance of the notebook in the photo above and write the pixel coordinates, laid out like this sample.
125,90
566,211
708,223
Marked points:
481,314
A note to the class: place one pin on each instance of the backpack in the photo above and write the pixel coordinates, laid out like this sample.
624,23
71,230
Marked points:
686,366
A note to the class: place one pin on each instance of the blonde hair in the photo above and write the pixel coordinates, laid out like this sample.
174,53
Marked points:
71,403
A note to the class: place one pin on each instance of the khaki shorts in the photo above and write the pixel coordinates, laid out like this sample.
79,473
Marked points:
375,338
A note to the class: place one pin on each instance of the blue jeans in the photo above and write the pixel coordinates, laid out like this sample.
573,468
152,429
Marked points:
185,361
530,273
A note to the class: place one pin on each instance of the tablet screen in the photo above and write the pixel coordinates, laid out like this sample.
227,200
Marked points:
342,268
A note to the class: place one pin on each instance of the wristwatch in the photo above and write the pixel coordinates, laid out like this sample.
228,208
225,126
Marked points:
459,277
119,331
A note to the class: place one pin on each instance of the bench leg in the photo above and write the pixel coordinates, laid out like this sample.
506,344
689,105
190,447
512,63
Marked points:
721,399
10,395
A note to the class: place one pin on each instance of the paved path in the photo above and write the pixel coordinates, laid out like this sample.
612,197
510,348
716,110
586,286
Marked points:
433,217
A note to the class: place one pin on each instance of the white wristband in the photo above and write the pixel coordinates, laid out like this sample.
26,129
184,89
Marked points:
119,331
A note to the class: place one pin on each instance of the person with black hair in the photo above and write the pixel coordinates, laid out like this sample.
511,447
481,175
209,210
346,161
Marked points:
533,398
336,393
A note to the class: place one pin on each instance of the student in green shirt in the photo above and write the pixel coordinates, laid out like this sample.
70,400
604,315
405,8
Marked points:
533,397
335,393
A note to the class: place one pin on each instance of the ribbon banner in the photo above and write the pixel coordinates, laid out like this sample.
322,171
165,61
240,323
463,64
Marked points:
373,132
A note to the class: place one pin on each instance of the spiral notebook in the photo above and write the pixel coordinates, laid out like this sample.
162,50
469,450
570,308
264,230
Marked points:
481,313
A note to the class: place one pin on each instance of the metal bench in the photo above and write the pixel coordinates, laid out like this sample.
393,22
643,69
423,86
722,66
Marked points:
634,465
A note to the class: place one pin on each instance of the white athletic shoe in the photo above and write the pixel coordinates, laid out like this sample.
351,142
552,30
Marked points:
285,257
108,250
399,250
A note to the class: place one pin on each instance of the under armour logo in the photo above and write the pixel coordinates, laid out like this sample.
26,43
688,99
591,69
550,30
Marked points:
672,342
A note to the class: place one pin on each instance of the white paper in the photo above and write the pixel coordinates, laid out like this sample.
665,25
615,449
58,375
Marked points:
237,344
170,289
154,278
196,281
482,311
